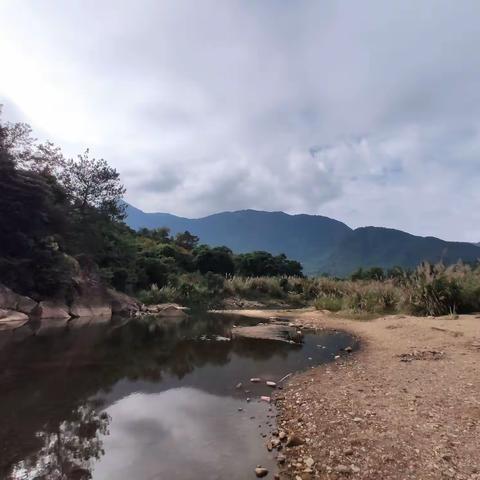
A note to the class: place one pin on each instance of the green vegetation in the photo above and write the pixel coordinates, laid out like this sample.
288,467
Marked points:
321,244
427,290
57,215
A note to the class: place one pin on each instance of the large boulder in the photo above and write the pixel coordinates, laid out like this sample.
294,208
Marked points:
51,309
9,300
122,304
80,309
90,296
11,319
171,310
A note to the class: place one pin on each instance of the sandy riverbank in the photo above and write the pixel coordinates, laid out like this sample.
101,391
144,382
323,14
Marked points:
407,406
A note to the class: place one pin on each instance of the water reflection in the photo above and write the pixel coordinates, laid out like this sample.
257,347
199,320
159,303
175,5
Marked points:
68,452
142,400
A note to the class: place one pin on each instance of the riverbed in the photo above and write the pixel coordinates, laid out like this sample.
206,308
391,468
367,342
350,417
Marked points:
145,399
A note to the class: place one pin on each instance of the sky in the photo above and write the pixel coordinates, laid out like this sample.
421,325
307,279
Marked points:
367,112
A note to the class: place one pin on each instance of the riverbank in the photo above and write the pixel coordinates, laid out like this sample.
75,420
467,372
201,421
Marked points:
407,406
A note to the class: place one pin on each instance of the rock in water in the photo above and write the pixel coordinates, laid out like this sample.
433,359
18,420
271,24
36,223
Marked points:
271,384
261,472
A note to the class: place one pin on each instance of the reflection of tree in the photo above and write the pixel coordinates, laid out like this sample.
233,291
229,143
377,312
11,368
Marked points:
44,389
68,452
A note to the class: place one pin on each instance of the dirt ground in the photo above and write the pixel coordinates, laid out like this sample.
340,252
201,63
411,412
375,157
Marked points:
405,406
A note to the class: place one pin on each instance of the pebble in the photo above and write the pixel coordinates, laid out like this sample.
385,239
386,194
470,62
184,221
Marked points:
261,472
271,384
342,469
309,462
255,380
294,441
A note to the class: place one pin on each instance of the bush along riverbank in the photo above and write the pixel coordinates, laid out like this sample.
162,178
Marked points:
429,290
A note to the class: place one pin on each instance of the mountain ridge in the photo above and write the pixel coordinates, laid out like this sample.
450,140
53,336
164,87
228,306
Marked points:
320,243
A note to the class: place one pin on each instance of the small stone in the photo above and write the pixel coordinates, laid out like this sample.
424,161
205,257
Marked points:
357,419
348,349
271,384
255,380
337,357
275,442
264,398
309,462
261,472
348,451
281,458
282,436
239,385
294,441
354,469
342,469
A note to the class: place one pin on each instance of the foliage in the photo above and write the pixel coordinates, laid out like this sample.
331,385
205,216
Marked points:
53,209
264,263
93,185
428,290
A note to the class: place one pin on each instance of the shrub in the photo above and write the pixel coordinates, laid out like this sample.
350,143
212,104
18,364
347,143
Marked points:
334,304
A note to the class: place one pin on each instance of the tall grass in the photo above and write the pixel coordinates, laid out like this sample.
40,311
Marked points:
428,290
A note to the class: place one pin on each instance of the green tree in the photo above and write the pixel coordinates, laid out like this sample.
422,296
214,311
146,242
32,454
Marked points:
216,260
93,184
186,240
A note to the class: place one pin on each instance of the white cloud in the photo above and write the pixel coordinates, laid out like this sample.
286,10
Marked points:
364,111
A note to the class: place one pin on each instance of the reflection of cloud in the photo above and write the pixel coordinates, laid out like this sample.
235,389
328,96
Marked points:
181,433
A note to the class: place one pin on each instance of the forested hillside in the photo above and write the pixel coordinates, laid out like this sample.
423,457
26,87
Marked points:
321,244
59,215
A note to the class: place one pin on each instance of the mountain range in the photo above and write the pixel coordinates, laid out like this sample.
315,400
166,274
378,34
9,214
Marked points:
321,244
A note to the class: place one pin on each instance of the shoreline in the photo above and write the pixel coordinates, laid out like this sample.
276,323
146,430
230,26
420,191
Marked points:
406,405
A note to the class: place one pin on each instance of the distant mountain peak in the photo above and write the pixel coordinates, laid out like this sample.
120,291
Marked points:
321,243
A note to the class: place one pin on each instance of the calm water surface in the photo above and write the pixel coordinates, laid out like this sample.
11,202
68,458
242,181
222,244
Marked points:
143,401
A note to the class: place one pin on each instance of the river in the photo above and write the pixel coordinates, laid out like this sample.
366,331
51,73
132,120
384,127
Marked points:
144,400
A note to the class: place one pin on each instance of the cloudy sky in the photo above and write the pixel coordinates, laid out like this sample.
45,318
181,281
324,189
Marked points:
368,112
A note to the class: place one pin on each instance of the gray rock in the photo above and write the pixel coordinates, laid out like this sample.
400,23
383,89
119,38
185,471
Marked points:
9,300
51,309
342,469
261,472
309,462
11,319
